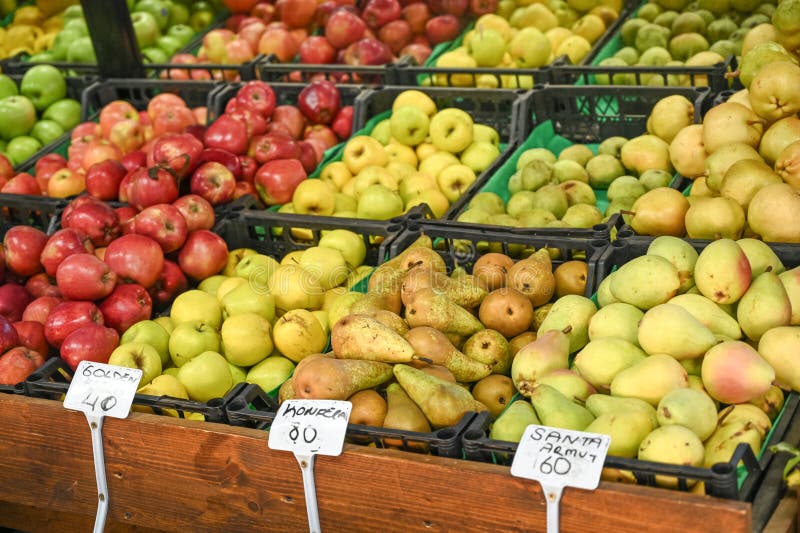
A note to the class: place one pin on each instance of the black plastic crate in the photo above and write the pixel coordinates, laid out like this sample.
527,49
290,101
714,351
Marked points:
460,245
40,212
773,486
715,77
270,69
19,388
53,379
721,480
255,409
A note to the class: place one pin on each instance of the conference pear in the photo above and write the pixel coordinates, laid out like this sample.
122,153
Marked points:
403,414
550,351
324,378
491,348
672,330
430,343
602,359
430,308
573,311
651,379
443,403
389,319
710,314
556,410
386,282
722,272
645,281
734,372
533,277
764,306
363,337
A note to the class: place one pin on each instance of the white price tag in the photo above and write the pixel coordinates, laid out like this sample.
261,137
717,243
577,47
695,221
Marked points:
559,458
308,427
98,389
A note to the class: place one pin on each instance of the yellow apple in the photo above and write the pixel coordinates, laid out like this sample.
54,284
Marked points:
292,258
331,295
196,305
402,153
234,256
294,288
451,130
409,125
425,150
362,151
416,98
314,197
437,202
495,22
369,175
480,155
326,265
350,244
575,48
245,339
382,132
249,299
435,163
165,322
211,284
299,333
206,376
415,184
238,373
556,36
454,180
228,285
270,373
344,203
336,173
322,316
482,132
401,170
455,59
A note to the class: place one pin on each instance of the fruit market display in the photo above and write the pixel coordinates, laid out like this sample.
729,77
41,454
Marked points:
32,28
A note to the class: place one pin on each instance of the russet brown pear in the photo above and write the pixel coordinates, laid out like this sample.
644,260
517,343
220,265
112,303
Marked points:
363,337
337,379
432,344
430,308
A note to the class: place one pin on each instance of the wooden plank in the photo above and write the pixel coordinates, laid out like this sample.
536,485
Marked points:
175,474
37,520
784,519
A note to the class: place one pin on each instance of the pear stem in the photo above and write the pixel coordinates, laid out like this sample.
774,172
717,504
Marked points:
626,212
567,329
423,359
731,75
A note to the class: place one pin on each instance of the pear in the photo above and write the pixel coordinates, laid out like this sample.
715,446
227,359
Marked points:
627,430
391,320
423,241
778,136
745,412
770,91
387,282
602,359
771,402
604,295
670,115
369,303
690,408
765,305
533,277
443,403
791,282
660,211
645,281
363,337
760,256
556,410
369,408
495,392
403,414
651,379
714,218
423,255
491,348
772,213
616,320
672,330
432,344
687,151
569,383
734,372
730,123
692,366
419,278
720,162
512,423
646,152
722,272
673,444
780,347
465,291
710,314
286,391
678,252
720,446
429,308
744,179
323,378
573,311
599,404
550,351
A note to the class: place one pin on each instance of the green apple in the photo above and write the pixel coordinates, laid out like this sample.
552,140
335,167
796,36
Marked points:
234,256
350,244
17,116
409,125
154,54
66,112
43,85
78,25
480,155
482,132
165,322
20,149
378,202
165,385
257,269
206,376
145,27
530,48
189,339
487,47
171,371
46,131
62,42
451,130
246,339
238,374
169,45
196,305
200,20
157,8
138,355
270,373
295,288
182,32
246,299
327,265
152,333
81,50
344,203
8,87
72,12
382,132
212,283
178,14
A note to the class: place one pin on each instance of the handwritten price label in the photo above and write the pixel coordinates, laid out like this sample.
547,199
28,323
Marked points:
98,389
308,427
561,458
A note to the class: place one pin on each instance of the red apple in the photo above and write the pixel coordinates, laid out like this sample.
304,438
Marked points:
126,214
204,254
151,186
244,188
126,305
296,13
171,283
254,121
343,28
180,152
22,246
22,183
8,335
31,336
95,218
276,180
134,160
319,101
17,364
103,179
38,309
173,120
237,52
196,210
317,50
317,146
162,102
97,151
227,133
66,317
309,157
416,14
163,223
62,244
42,285
14,299
342,124
113,113
418,52
127,135
321,132
249,167
456,8
271,146
278,42
368,51
6,168
483,7
88,131
263,10
85,277
442,28
64,183
90,342
258,95
396,35
252,33
214,182
44,167
135,259
291,118
378,13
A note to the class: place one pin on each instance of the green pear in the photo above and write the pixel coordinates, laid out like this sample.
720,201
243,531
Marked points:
692,366
651,379
760,256
791,282
602,359
720,446
491,348
465,291
771,402
734,372
722,272
599,404
402,413
616,320
745,412
691,408
627,430
781,347
569,383
363,337
430,343
673,444
572,311
511,424
429,308
604,294
672,330
645,281
710,314
678,252
550,351
325,378
444,403
765,305
556,410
